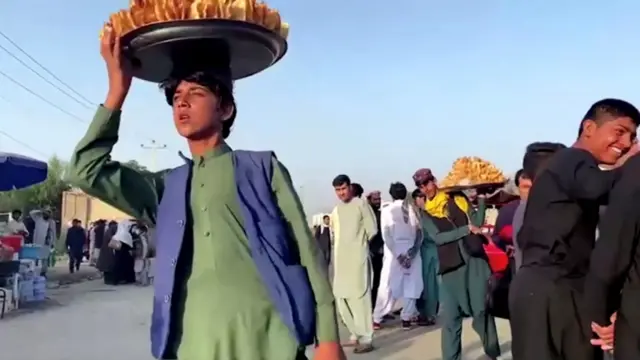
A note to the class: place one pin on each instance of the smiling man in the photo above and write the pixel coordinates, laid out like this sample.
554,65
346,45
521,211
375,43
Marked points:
227,285
557,237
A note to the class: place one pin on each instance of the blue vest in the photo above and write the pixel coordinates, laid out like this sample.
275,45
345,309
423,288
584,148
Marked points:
286,281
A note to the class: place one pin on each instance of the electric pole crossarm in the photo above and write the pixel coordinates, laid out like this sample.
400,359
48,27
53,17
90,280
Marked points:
154,147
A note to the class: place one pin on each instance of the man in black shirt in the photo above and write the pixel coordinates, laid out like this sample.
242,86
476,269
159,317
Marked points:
546,301
613,283
323,237
376,245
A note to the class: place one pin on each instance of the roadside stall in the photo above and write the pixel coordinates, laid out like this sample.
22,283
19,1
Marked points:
19,279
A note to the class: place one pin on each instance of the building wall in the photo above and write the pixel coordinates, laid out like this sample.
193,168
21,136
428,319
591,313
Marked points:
78,205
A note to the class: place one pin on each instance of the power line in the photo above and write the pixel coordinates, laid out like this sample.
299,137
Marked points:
44,78
52,104
23,144
44,68
42,98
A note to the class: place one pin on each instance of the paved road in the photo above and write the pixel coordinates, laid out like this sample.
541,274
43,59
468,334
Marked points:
109,323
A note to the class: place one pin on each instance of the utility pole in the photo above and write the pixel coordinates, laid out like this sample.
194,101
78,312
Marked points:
154,147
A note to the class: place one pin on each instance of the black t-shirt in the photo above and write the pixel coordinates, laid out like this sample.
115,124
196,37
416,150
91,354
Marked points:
558,231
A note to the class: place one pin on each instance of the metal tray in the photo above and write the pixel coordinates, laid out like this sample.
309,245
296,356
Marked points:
480,187
155,50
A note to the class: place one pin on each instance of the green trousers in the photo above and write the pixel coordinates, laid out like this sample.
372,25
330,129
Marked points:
431,292
463,295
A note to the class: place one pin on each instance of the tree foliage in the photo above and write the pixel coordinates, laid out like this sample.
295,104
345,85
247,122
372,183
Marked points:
136,165
47,193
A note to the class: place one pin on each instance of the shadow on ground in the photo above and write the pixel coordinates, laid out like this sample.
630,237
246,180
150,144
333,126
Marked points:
391,341
505,348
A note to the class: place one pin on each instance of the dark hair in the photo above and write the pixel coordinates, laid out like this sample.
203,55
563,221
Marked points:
16,211
212,82
536,157
357,189
398,191
606,109
416,194
516,178
326,217
341,180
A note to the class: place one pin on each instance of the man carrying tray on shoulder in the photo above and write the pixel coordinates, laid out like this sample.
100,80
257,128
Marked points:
221,291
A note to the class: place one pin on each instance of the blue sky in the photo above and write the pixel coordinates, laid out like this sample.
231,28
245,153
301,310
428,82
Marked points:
374,89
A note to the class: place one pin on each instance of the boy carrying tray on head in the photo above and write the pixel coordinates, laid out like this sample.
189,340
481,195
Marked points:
238,273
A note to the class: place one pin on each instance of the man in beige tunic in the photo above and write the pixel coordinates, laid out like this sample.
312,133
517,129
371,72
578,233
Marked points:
353,224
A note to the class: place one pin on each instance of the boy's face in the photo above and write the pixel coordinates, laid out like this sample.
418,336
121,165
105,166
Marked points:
429,189
197,111
611,139
524,186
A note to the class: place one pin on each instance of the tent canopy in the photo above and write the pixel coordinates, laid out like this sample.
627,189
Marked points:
18,171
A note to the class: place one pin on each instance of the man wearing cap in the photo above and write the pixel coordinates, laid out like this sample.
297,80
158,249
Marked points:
451,223
428,304
211,299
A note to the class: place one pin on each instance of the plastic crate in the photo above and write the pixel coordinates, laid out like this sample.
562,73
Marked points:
34,253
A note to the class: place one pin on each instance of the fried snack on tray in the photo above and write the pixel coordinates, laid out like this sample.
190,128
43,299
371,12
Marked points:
145,12
471,170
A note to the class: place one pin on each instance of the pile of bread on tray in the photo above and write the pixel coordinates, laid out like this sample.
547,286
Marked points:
146,12
472,170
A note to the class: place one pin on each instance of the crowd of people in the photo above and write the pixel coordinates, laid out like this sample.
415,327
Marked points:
385,256
120,250
240,276
568,296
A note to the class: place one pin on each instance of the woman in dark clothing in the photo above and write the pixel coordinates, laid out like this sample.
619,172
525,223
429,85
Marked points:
107,259
124,269
123,241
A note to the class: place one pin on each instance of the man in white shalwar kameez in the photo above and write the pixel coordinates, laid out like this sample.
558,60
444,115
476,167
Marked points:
385,303
402,267
44,235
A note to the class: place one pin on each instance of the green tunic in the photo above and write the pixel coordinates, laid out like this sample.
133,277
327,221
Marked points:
223,311
429,256
463,293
